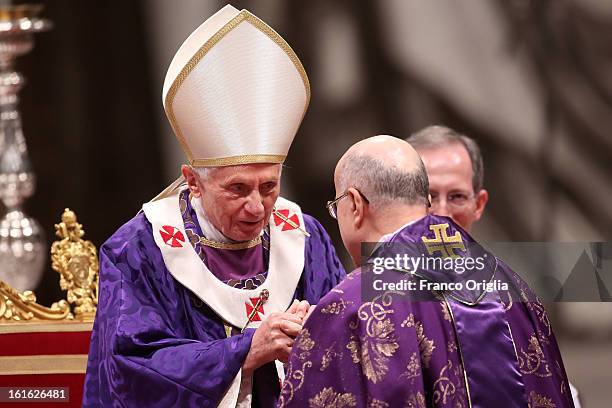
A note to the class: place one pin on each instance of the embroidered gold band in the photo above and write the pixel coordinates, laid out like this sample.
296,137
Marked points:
237,160
231,246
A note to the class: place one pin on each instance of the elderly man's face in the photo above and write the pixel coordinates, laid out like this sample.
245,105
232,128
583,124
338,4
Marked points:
449,170
238,200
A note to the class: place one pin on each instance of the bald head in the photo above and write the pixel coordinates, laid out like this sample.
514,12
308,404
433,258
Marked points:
386,169
390,150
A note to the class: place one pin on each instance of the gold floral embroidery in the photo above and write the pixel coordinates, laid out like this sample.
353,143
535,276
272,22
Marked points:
373,351
539,401
328,356
444,386
328,398
376,403
426,346
379,343
336,308
533,361
451,347
506,305
415,401
376,310
564,382
445,312
409,321
289,388
305,344
413,369
540,311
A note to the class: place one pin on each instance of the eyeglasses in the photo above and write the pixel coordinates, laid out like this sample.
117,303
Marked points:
332,206
453,200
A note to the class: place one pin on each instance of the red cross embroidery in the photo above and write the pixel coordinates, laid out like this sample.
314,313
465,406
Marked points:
172,236
287,226
250,307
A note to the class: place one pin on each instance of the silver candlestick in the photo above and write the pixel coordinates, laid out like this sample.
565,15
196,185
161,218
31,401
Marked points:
23,249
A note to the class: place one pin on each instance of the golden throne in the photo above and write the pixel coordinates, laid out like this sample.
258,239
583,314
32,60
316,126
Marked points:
47,346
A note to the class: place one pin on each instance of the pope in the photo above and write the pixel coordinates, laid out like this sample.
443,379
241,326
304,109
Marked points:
203,292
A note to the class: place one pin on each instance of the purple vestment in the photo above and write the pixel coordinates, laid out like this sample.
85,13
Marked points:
461,348
155,344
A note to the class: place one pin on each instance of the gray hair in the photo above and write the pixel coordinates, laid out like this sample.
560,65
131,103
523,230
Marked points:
382,184
204,172
433,137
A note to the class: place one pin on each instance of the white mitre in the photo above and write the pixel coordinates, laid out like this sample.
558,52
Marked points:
235,92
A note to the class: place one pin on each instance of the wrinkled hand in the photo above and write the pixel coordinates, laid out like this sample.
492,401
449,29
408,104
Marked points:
272,340
301,309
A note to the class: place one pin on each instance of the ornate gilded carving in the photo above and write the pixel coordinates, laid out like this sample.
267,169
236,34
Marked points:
76,261
16,306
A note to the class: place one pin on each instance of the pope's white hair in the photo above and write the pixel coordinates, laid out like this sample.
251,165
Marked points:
204,172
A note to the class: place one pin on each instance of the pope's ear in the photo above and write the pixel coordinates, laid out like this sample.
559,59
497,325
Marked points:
191,178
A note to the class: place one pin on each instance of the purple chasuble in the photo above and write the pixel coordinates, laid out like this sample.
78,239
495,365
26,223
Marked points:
453,348
155,344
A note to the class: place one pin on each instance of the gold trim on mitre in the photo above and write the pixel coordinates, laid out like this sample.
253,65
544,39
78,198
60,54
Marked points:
244,15
237,160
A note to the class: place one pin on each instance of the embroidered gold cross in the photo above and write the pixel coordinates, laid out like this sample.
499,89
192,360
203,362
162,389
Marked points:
442,243
264,295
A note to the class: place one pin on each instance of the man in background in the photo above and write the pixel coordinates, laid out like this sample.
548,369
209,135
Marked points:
455,171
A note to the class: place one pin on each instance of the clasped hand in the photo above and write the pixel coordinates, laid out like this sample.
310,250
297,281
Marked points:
274,338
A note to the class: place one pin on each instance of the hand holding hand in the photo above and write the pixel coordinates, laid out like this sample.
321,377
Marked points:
272,340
